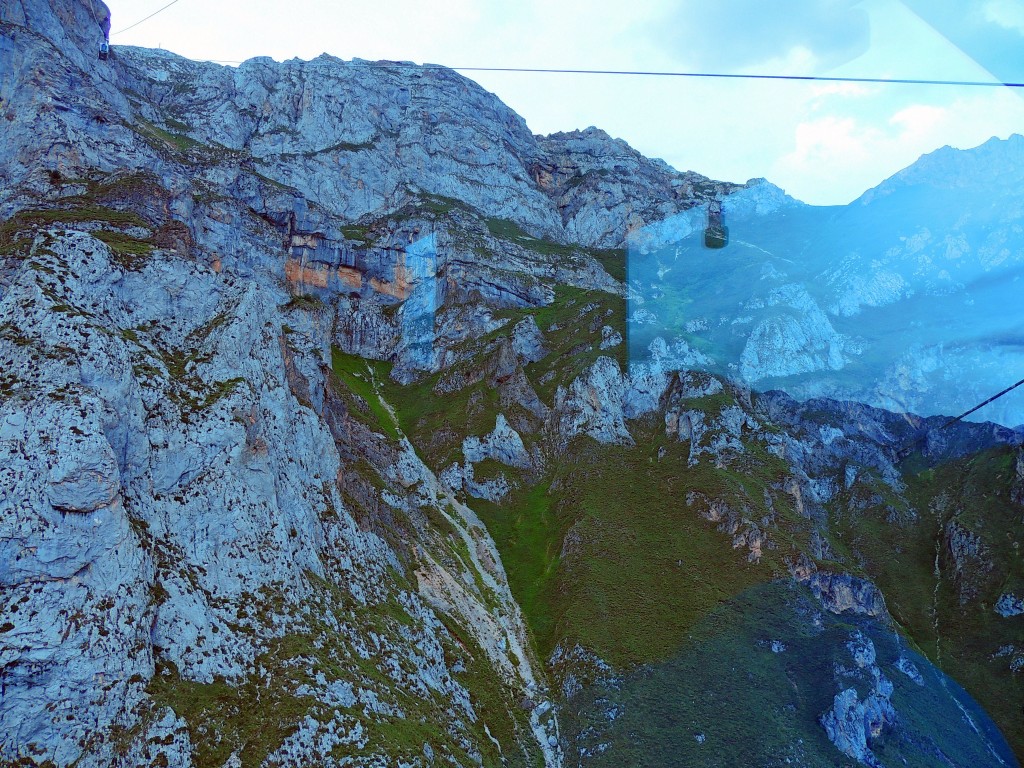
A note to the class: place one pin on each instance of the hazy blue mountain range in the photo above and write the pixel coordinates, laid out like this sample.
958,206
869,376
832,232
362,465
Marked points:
908,298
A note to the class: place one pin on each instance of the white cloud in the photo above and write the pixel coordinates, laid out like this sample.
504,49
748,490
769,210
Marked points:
1006,13
919,121
841,89
835,158
824,139
834,150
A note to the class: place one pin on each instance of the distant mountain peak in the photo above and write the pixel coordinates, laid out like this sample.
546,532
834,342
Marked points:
996,160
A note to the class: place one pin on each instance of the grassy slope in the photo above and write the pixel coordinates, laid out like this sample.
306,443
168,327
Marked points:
639,566
604,551
753,706
254,716
646,566
959,638
359,376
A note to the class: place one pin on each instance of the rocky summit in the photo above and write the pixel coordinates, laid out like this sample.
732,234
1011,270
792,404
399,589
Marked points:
323,442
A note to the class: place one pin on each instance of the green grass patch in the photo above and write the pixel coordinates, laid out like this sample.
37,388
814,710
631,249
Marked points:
345,146
164,139
253,717
572,325
613,260
85,213
437,422
17,233
356,232
503,229
529,535
306,301
177,125
130,252
440,205
607,553
750,705
358,376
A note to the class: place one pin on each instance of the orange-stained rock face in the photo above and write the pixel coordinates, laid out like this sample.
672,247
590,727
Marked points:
316,275
319,275
216,265
401,286
298,274
351,277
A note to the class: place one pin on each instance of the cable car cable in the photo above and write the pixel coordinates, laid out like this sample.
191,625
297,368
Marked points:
154,13
812,78
905,451
982,404
643,73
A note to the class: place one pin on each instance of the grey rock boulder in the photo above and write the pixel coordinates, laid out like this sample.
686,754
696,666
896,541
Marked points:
593,405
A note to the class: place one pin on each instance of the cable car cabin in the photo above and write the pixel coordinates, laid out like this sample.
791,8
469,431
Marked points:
716,234
104,50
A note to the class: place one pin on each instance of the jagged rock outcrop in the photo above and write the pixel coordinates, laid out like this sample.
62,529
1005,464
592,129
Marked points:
842,592
311,147
355,136
970,561
854,724
604,188
796,338
592,405
527,341
1009,605
502,444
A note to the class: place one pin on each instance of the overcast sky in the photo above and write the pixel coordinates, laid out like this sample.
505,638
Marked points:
822,143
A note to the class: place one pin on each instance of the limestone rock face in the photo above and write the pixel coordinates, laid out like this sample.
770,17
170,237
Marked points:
798,338
593,405
605,189
841,593
181,510
1009,605
185,484
355,136
853,724
527,340
84,476
400,192
191,474
969,558
225,294
503,444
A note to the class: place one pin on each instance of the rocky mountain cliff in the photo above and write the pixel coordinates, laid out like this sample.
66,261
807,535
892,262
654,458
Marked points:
319,444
